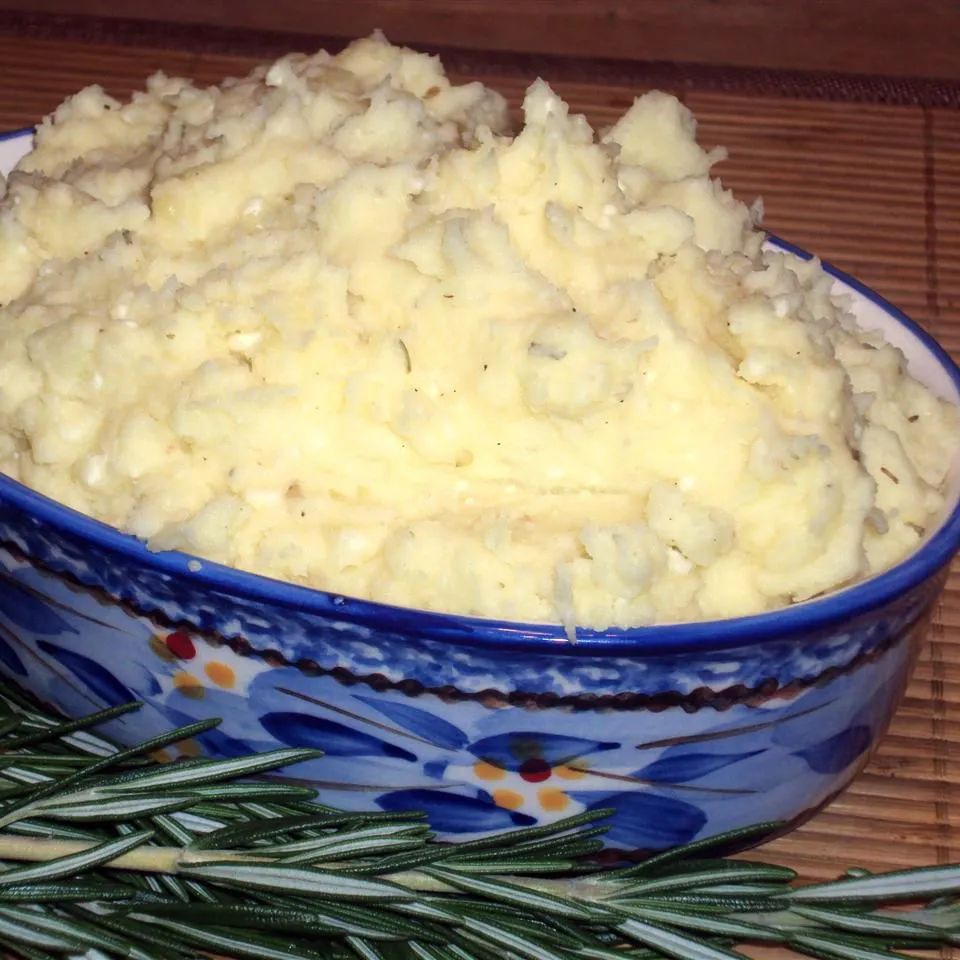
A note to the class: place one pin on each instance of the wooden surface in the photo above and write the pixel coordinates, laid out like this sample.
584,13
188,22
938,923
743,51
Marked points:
875,189
920,38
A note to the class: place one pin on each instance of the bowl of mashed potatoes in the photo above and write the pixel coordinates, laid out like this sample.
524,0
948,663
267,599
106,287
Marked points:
515,469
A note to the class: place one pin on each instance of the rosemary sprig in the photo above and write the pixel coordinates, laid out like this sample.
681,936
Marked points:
106,854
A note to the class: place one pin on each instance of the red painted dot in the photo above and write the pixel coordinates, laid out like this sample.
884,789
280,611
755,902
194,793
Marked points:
535,770
180,645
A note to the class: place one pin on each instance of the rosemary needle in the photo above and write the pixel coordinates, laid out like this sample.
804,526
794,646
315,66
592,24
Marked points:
109,855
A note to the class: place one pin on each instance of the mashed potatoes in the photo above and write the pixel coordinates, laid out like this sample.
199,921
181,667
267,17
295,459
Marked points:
333,324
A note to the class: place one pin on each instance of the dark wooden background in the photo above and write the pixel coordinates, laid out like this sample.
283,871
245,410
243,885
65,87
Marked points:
897,38
844,116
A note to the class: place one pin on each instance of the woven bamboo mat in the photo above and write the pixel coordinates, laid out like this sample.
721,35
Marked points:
874,188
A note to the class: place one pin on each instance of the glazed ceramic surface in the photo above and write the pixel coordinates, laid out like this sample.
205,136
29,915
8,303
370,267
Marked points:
684,731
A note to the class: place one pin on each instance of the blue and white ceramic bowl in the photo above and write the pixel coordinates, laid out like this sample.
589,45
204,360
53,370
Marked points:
685,730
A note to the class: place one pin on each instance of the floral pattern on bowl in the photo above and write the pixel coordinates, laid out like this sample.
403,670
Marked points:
671,767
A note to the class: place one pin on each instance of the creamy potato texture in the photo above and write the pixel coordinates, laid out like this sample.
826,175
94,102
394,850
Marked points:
334,324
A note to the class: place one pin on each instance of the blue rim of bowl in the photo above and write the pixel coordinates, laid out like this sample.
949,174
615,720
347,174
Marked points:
804,618
13,134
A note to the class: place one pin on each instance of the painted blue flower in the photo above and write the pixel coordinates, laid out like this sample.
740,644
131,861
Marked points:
838,752
332,737
422,723
536,776
96,677
839,735
10,659
28,609
679,766
455,813
645,820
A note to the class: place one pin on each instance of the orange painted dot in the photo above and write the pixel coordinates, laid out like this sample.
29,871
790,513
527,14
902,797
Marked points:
159,646
487,771
220,673
189,748
552,799
569,773
508,799
188,685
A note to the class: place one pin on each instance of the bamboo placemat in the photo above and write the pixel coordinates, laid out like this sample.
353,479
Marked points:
873,187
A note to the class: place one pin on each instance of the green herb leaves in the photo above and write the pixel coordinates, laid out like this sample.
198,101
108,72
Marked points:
133,859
